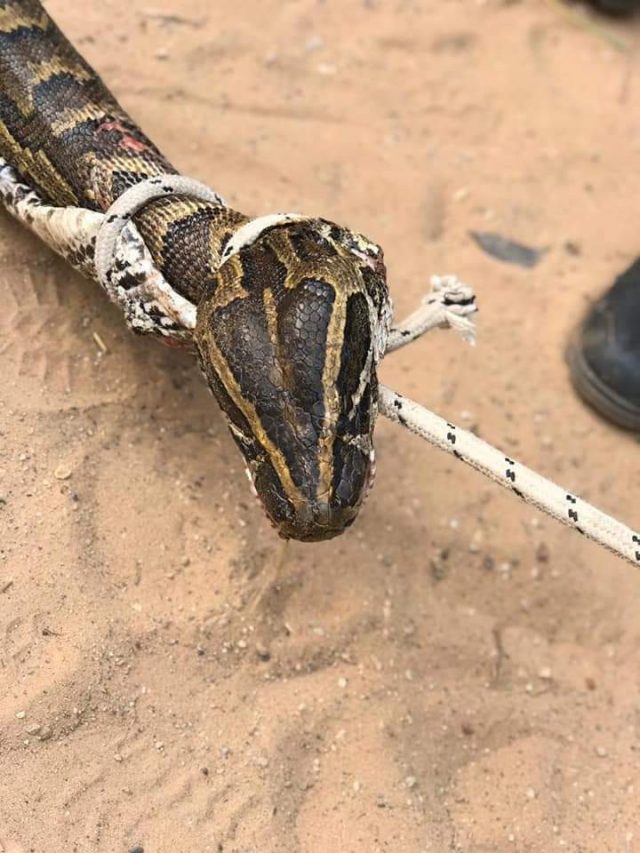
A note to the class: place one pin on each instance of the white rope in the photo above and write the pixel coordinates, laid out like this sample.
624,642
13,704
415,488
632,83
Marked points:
129,203
527,484
438,309
450,304
253,229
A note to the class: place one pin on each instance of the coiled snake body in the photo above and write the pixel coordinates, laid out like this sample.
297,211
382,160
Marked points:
288,315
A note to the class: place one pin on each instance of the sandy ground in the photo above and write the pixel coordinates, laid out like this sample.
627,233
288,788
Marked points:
457,673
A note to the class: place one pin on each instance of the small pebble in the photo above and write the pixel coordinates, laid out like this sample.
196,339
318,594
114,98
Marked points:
262,651
411,781
342,682
313,43
62,472
438,565
20,715
542,553
476,541
601,752
488,563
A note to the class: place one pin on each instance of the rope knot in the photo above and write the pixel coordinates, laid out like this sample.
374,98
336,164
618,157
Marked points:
456,302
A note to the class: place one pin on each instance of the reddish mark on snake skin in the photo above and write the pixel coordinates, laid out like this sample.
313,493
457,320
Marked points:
175,343
126,140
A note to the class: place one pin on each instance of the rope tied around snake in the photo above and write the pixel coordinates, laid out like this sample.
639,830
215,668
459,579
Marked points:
451,304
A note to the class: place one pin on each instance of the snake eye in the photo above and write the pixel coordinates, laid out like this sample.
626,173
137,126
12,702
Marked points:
366,251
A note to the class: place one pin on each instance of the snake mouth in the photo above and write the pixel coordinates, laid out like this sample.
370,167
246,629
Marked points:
325,518
317,522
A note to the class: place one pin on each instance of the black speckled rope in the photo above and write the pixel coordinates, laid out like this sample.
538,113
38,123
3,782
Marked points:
525,483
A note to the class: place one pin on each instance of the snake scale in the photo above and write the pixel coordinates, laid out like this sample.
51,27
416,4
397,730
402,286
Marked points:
288,315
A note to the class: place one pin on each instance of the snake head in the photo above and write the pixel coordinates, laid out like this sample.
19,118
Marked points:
289,334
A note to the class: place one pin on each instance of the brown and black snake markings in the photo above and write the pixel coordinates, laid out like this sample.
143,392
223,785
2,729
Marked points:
289,328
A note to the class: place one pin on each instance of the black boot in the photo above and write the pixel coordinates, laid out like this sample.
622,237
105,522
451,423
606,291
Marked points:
616,7
604,355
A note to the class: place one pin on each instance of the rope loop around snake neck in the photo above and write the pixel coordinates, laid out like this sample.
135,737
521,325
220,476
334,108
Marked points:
133,200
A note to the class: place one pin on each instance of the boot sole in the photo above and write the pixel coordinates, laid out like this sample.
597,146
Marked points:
593,391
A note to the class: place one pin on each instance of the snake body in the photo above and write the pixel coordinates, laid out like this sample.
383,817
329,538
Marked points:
288,315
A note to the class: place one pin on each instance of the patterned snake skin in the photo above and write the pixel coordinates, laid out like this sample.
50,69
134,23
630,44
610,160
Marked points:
289,328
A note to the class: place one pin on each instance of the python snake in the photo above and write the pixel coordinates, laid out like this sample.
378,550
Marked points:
288,315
